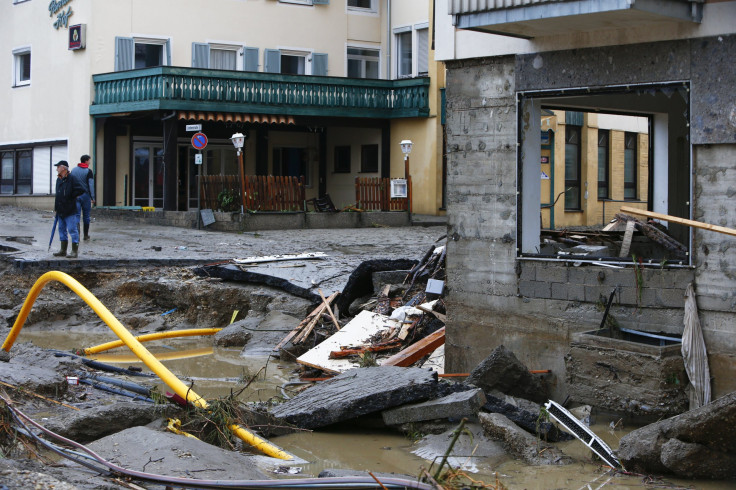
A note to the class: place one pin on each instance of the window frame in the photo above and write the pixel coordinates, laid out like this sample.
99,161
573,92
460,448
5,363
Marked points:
363,59
365,155
604,185
15,181
631,185
399,34
239,49
372,10
18,54
164,42
575,183
342,163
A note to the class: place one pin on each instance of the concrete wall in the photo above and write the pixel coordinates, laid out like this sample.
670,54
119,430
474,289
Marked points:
533,306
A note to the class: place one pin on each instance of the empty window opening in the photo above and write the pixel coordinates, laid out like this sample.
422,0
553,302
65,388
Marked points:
584,155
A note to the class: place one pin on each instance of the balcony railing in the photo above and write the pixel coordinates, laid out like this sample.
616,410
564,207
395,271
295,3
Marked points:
174,88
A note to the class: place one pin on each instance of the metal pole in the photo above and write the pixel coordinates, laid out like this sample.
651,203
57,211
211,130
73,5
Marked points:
199,201
242,181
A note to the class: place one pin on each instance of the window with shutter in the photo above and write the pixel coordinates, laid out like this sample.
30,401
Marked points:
251,59
124,53
272,60
423,51
319,64
200,55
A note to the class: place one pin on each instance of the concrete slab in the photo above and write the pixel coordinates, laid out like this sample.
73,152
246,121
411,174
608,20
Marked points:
455,406
165,453
357,392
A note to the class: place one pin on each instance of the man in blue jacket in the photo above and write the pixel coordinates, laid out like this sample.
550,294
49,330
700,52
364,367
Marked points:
68,189
84,175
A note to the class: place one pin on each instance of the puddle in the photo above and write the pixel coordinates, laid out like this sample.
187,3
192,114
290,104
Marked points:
217,371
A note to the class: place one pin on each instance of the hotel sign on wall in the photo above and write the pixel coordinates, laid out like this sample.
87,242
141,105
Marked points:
56,7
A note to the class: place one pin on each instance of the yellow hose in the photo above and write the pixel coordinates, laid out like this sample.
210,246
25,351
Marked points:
192,332
148,359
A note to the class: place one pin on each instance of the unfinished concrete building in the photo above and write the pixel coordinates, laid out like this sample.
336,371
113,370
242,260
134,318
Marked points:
513,282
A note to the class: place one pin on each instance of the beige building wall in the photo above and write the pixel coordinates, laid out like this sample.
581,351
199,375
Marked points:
56,104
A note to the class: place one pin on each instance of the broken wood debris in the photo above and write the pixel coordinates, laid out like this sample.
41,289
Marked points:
303,330
657,236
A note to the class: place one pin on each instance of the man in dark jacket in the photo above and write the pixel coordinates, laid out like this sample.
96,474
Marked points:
68,189
84,175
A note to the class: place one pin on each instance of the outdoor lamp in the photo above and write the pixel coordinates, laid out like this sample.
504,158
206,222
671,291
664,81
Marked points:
406,147
238,140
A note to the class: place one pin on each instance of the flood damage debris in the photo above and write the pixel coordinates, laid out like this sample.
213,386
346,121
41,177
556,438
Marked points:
453,406
502,371
700,443
583,433
233,272
355,393
525,414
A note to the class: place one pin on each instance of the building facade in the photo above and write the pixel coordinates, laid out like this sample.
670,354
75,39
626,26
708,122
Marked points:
328,96
511,63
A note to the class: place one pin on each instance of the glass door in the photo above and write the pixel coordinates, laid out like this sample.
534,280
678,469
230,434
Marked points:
148,175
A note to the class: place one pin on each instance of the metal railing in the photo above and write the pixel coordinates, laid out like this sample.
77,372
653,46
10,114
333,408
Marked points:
177,88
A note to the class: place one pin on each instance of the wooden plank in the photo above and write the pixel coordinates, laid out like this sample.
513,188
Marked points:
439,316
628,236
357,332
417,350
681,221
329,310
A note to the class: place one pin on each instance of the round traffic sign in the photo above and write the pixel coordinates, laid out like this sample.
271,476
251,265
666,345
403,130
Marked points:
199,141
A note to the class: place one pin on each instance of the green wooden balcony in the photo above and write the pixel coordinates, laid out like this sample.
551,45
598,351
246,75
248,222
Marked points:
194,89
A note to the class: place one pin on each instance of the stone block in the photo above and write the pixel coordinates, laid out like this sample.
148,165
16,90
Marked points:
526,288
456,406
671,298
559,290
552,273
575,292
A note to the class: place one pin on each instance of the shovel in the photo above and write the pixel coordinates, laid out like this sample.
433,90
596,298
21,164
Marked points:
53,230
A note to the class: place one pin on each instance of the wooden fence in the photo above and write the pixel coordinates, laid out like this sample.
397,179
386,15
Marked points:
374,194
262,193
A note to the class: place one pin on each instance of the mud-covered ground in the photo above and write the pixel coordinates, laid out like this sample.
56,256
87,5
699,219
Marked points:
148,297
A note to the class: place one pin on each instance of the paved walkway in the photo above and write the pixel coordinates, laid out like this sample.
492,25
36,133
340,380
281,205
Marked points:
25,233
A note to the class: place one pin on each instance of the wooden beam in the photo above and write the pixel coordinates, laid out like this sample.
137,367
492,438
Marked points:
681,221
417,350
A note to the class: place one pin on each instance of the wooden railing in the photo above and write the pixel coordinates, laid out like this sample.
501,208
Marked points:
374,194
262,193
177,88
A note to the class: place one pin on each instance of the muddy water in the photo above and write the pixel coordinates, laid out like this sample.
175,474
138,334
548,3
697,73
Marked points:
216,371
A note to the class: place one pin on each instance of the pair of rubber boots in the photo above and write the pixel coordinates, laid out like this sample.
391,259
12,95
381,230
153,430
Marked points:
62,253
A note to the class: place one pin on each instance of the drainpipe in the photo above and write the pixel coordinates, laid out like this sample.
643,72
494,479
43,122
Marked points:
388,39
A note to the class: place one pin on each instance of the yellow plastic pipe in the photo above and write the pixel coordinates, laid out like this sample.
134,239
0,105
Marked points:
148,359
192,332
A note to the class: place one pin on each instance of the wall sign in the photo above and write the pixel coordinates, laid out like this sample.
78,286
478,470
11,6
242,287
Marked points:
56,7
77,37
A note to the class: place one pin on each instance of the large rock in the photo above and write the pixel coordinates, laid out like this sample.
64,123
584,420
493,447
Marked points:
502,371
357,392
165,453
525,414
520,443
700,443
455,406
238,334
89,424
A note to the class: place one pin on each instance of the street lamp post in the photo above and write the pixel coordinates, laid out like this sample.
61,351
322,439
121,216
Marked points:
238,140
406,149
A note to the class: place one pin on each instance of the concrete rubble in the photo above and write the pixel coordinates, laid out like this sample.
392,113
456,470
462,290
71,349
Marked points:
454,406
700,443
502,371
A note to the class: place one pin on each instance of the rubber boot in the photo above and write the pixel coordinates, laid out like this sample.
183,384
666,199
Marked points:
86,231
62,252
75,251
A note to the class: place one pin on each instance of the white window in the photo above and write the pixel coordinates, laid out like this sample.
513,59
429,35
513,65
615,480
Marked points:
139,52
412,50
363,62
363,6
292,62
404,53
22,66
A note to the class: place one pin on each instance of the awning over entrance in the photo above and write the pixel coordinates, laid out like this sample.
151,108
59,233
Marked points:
228,117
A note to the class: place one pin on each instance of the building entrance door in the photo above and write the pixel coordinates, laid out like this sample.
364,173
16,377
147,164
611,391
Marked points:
148,175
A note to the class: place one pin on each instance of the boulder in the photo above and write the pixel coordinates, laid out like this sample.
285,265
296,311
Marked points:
520,443
502,371
166,453
357,392
89,424
237,334
700,443
525,414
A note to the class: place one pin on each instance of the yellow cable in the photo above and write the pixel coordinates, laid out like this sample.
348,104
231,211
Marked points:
148,359
192,332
